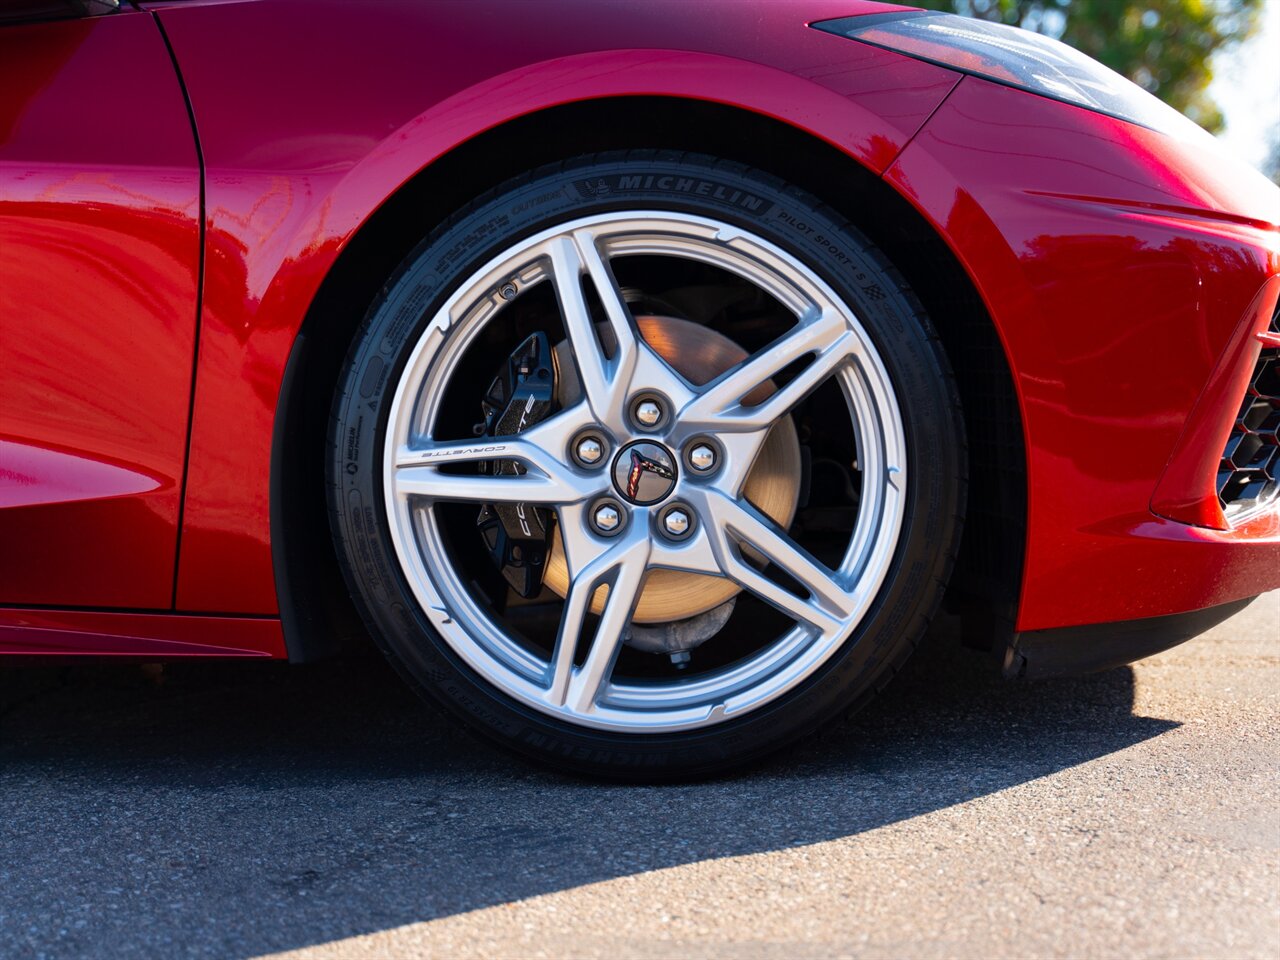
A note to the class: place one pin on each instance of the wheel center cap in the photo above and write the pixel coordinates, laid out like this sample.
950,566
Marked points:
644,472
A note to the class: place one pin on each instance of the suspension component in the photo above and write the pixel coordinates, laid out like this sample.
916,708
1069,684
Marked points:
521,395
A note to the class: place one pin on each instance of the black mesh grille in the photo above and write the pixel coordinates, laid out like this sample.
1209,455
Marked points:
1249,474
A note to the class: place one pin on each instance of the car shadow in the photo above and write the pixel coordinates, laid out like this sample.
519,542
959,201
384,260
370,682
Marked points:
233,809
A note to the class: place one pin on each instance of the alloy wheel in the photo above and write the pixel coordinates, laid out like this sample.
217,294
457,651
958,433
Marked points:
646,473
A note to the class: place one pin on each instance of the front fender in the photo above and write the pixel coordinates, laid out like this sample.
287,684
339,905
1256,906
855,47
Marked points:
299,153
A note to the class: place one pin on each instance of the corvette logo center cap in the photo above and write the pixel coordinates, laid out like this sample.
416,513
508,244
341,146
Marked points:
644,473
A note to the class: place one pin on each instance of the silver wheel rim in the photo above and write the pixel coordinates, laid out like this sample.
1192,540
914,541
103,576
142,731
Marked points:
585,693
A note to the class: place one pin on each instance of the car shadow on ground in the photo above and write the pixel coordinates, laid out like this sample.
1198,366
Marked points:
233,809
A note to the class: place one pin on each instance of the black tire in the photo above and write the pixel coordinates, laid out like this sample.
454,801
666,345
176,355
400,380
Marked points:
784,215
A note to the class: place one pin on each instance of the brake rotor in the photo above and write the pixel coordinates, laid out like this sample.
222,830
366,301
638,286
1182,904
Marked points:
773,486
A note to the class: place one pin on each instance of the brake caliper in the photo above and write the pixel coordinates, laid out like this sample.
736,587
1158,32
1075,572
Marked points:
518,534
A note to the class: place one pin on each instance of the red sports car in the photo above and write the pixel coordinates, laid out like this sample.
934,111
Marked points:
641,377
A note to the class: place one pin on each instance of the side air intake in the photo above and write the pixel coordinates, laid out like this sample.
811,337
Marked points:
1249,473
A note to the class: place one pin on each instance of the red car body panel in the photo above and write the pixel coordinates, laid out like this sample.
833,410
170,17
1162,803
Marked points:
1117,283
332,108
1126,275
99,259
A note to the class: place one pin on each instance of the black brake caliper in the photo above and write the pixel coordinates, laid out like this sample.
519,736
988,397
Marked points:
518,534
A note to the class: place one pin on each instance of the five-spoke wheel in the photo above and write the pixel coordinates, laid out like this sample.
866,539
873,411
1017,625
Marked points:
642,508
688,491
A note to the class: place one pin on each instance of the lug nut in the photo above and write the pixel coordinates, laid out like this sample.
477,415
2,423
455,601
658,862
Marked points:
590,450
702,457
676,522
607,518
648,412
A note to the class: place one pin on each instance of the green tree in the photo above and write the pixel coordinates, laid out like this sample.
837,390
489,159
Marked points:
1165,46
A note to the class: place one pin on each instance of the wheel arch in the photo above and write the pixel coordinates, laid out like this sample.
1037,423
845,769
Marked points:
315,610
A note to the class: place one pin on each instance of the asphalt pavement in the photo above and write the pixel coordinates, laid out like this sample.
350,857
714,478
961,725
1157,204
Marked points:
239,809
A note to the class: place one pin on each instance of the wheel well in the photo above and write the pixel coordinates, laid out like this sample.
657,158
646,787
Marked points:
314,605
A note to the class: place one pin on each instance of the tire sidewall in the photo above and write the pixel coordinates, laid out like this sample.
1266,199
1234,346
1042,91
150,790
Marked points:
782,215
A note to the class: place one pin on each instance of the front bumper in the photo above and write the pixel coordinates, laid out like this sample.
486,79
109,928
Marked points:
1126,274
1068,651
